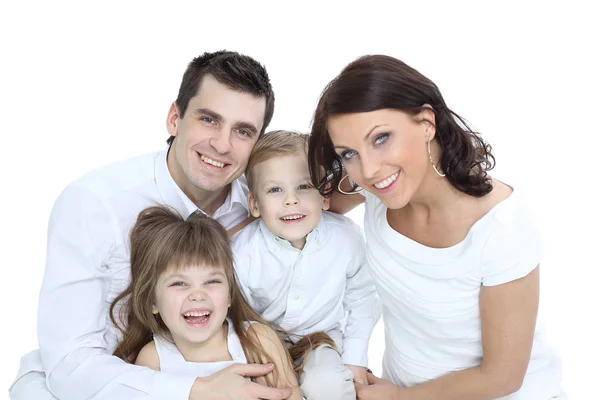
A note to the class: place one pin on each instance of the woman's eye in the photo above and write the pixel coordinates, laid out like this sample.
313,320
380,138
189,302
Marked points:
346,155
382,138
274,190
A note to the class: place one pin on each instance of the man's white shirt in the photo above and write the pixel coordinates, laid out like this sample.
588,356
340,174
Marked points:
324,287
87,266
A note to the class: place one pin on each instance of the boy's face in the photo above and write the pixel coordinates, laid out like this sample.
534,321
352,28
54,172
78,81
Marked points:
285,199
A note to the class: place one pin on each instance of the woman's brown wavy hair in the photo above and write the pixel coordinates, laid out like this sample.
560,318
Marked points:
161,239
376,82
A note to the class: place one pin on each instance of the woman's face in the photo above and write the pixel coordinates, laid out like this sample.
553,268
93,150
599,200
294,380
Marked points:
384,151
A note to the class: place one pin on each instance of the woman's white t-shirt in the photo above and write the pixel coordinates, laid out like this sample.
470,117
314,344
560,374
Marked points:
430,296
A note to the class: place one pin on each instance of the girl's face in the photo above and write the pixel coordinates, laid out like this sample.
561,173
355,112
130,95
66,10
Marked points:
383,151
193,303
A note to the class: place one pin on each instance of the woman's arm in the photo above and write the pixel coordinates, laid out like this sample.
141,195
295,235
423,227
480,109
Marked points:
278,354
508,316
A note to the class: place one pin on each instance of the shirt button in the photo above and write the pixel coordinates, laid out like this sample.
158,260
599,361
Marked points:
296,297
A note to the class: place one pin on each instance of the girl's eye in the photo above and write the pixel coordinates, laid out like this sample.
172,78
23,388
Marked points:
382,138
274,190
346,155
212,281
178,283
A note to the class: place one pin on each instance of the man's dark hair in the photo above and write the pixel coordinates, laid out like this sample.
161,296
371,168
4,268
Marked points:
237,71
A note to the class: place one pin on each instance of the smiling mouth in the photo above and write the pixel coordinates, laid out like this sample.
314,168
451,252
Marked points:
387,181
293,218
212,162
196,317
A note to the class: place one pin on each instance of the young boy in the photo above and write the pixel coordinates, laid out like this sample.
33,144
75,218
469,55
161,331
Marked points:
304,268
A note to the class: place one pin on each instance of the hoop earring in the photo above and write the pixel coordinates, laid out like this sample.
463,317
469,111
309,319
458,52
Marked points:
354,185
431,159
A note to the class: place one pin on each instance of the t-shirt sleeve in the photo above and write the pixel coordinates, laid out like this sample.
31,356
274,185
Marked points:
513,247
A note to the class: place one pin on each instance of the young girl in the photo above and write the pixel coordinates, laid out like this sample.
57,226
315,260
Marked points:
183,312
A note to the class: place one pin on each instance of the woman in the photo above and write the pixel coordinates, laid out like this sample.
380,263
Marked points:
454,253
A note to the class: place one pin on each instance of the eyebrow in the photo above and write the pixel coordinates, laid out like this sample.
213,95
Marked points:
181,276
218,117
364,139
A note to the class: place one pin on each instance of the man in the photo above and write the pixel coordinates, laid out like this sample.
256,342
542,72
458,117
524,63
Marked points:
225,102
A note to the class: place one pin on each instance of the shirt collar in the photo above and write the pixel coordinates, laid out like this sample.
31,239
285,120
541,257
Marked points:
173,196
313,240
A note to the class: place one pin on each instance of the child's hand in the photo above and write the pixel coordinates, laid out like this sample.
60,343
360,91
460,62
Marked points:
359,373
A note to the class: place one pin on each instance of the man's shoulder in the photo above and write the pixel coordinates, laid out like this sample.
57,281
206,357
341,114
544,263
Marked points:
119,176
246,238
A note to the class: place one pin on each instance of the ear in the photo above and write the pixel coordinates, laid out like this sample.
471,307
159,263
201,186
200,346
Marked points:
253,205
325,206
154,309
427,117
173,120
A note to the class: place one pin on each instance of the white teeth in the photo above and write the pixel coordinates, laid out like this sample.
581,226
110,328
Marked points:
292,217
211,161
387,181
196,314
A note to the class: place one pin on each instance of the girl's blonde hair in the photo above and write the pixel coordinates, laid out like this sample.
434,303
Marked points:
161,239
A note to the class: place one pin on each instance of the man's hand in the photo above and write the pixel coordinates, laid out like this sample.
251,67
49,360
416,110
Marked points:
230,384
359,373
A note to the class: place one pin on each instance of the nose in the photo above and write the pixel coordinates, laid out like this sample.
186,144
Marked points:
369,166
197,294
291,199
221,141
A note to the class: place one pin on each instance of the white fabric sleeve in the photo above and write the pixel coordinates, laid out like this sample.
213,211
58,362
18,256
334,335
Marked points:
363,307
513,248
73,310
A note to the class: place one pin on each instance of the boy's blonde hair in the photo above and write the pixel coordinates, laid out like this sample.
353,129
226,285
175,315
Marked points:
275,144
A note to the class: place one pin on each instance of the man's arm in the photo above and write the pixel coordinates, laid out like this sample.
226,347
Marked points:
73,310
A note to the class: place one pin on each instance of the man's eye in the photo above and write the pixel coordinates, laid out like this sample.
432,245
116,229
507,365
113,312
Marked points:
244,132
208,120
274,190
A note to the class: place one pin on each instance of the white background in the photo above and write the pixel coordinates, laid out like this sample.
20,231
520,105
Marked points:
82,86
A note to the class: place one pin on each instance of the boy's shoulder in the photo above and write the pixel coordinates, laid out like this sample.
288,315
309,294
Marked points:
340,225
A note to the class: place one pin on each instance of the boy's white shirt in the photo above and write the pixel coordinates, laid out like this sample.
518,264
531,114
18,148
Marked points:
325,286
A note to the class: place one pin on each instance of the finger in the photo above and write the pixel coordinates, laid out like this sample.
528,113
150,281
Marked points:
372,379
251,369
268,393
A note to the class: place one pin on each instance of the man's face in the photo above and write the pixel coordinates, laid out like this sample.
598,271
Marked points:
215,137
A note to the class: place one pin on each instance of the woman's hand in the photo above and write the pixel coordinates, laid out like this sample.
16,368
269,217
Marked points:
377,389
359,373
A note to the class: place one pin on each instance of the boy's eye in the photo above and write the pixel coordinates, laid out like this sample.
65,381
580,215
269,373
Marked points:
274,190
305,186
